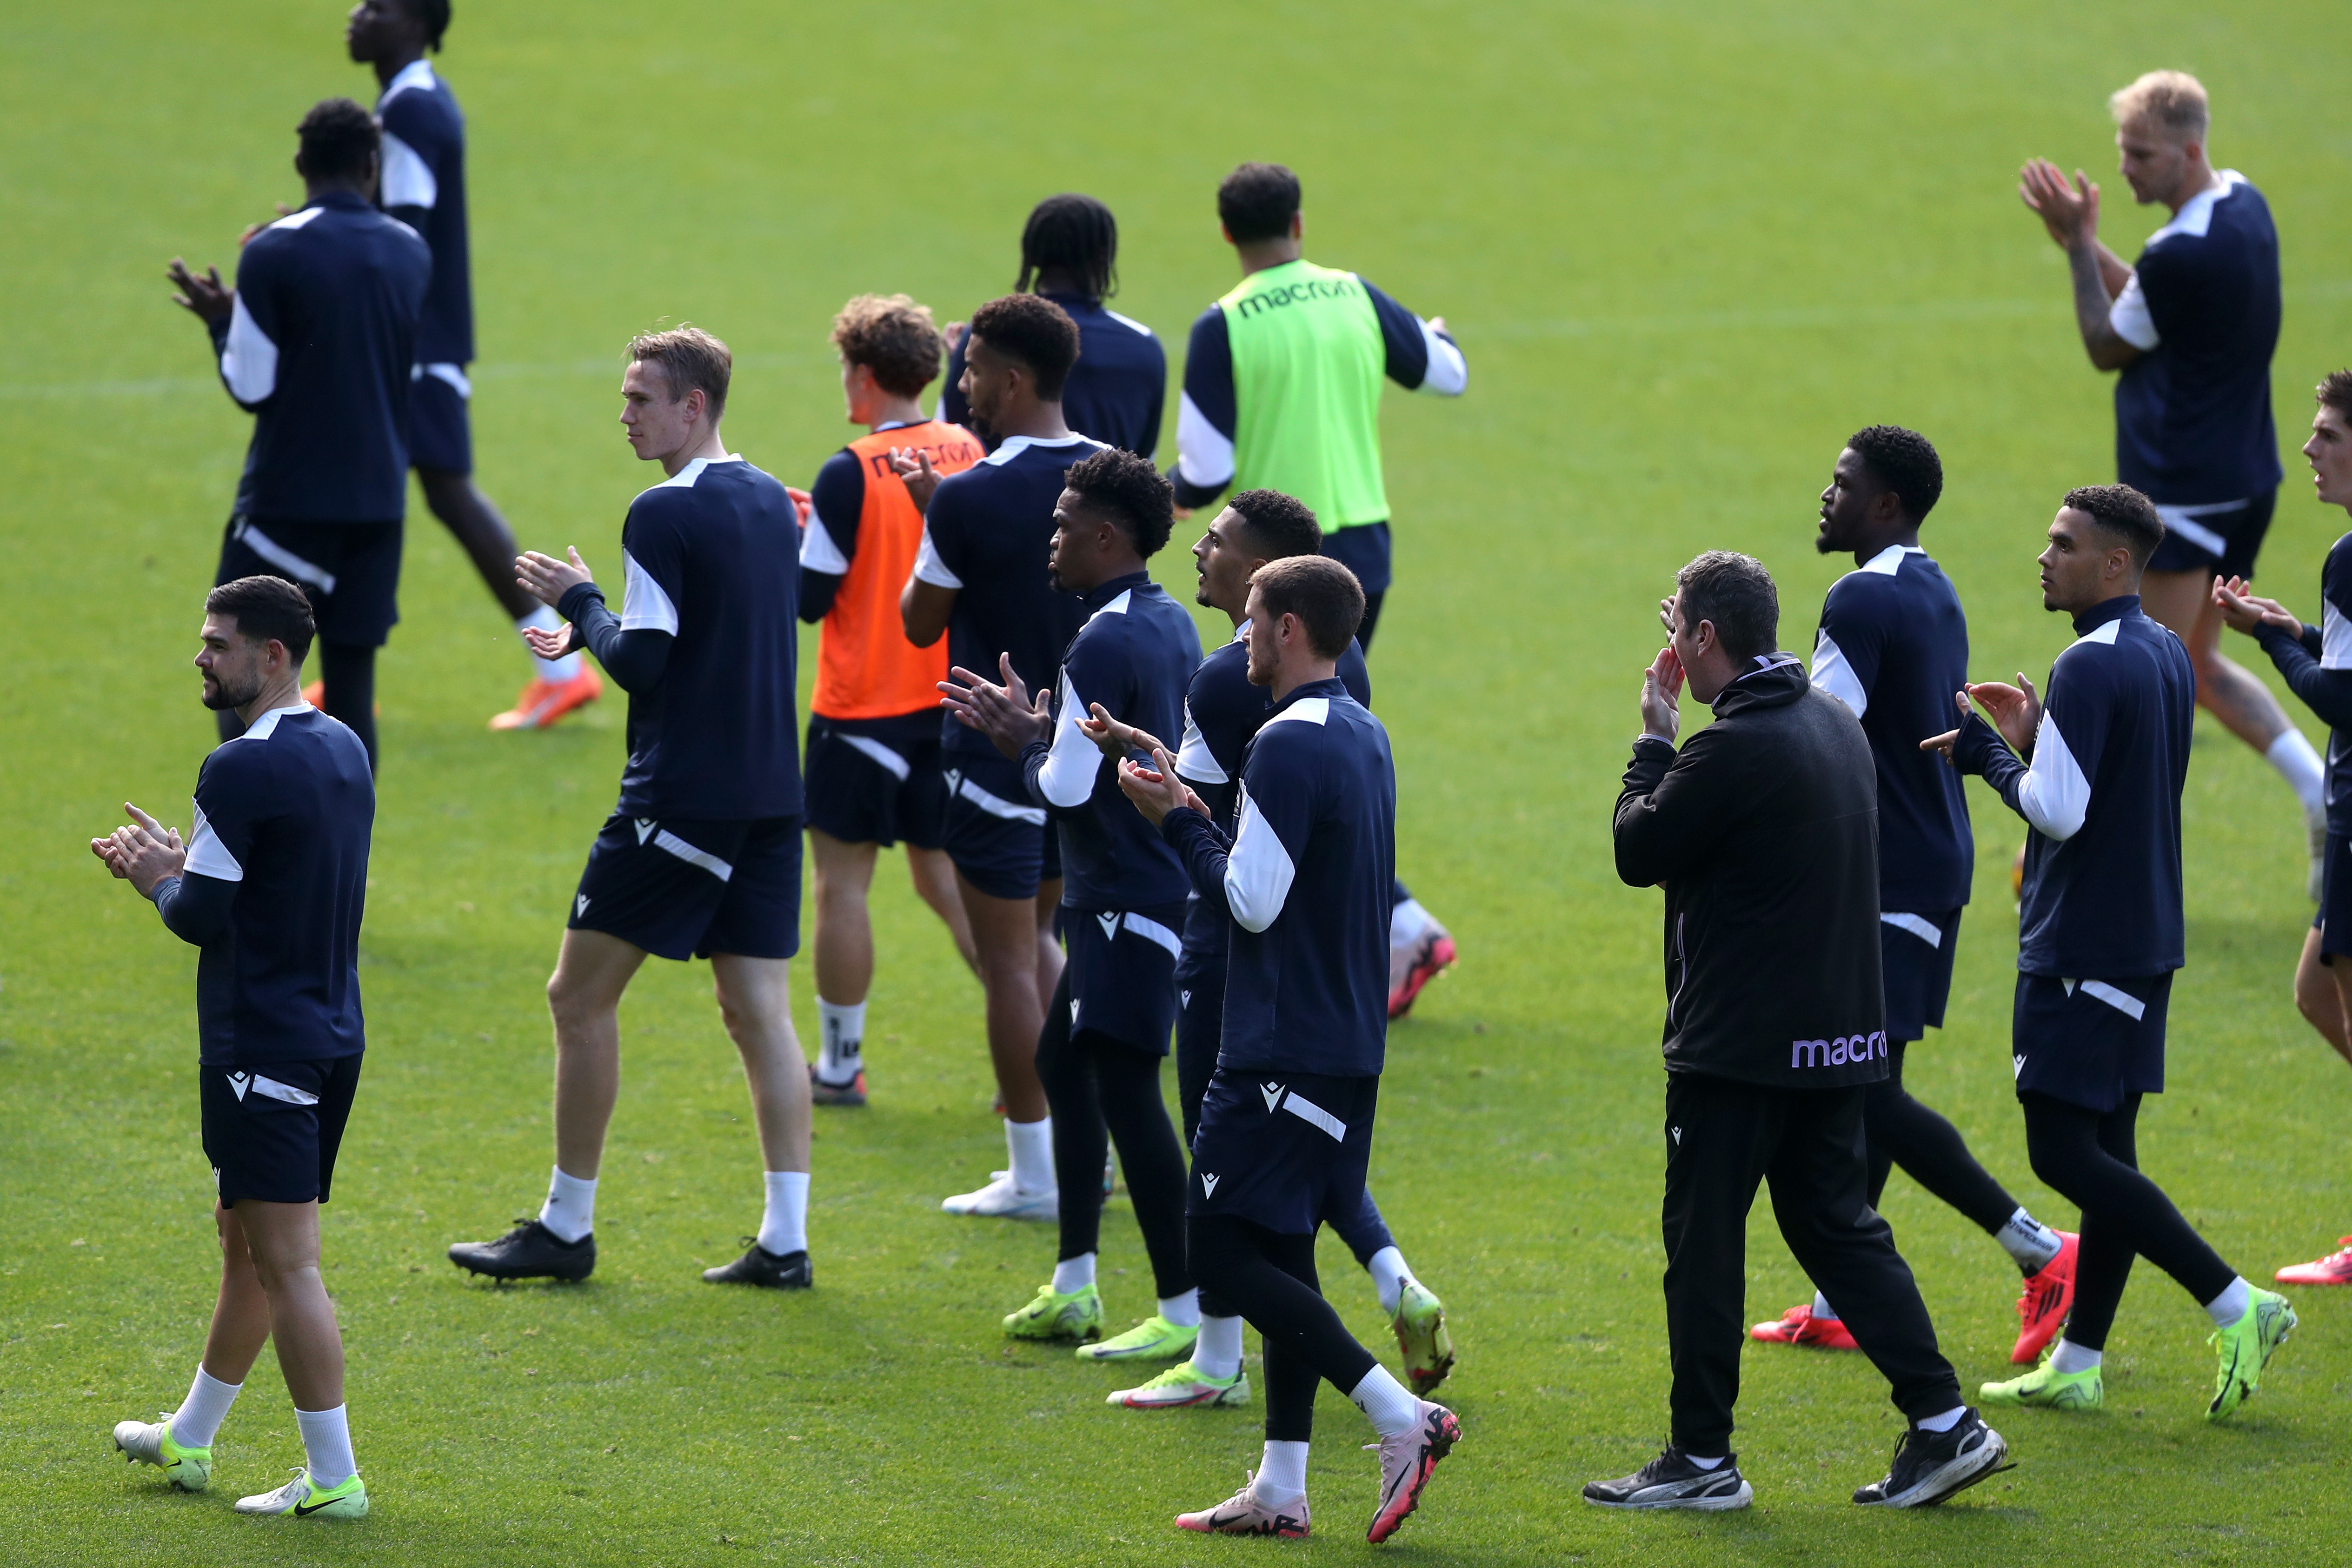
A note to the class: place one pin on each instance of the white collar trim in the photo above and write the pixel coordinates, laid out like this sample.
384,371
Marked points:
1014,444
1889,560
684,479
2196,215
265,723
417,73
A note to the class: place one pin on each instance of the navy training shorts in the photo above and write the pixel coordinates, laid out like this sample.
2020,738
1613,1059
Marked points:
1122,973
684,890
272,1131
1285,1151
2089,1043
998,839
2223,541
1916,955
349,571
877,780
440,434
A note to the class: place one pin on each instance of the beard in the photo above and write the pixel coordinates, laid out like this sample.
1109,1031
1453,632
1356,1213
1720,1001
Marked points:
222,695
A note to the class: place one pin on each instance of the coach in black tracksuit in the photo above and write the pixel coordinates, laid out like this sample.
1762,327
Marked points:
1763,832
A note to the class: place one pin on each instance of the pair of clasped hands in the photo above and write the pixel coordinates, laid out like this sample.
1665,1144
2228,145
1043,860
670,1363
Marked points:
1008,716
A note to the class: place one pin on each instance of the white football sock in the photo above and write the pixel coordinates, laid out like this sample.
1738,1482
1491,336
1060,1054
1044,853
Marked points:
1944,1422
198,1420
1714,1463
1407,921
2230,1305
1217,1354
1184,1310
2028,1240
1386,1268
2065,1357
1030,1146
783,1229
1822,1309
570,1207
842,1030
1074,1273
2300,765
327,1446
1388,1404
545,619
1281,1473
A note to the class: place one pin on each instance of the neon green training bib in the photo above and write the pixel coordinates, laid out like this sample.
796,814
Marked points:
1307,366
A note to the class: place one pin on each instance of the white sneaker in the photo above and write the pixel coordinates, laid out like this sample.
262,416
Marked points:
2316,828
1001,1200
304,1500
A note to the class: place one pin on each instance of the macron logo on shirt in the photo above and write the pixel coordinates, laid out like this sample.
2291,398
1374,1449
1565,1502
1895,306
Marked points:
1838,1052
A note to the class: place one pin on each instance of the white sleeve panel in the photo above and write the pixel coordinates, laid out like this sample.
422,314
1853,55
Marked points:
1194,760
1833,675
248,360
647,608
1448,371
2054,795
2334,639
1067,778
406,180
207,857
1258,873
930,568
2128,317
1205,454
819,553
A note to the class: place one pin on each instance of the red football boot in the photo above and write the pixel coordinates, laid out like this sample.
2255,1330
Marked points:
2336,1268
2043,1303
1798,1326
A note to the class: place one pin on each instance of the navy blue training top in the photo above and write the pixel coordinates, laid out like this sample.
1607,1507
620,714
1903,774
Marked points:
1223,713
283,816
712,558
2318,670
423,183
1894,646
2101,899
986,534
2193,412
1116,391
1132,656
1305,878
318,347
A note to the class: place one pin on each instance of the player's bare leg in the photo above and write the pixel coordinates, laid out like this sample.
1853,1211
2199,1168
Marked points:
584,997
2323,994
755,1001
934,877
1011,949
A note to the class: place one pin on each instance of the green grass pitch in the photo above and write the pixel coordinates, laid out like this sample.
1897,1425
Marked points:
1686,247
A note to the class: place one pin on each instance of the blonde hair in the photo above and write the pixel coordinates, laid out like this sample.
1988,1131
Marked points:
892,336
689,358
2172,101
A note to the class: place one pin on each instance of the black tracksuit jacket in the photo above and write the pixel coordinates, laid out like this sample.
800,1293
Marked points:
1763,831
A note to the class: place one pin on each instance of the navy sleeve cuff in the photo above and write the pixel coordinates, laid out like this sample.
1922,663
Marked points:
575,599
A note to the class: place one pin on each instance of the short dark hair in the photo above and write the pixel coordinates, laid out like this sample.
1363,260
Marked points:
892,336
2336,392
2123,512
1032,332
339,137
433,15
1131,492
1904,462
1321,591
1073,234
267,609
1279,524
688,358
1735,593
1257,201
